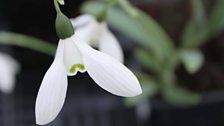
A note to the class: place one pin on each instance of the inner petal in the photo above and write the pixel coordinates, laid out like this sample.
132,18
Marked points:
109,44
96,35
82,20
72,58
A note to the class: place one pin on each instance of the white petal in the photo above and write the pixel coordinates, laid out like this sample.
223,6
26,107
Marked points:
109,44
9,69
82,20
107,72
52,92
72,58
85,27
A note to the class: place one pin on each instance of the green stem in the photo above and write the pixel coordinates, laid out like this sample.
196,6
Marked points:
29,42
57,8
103,13
128,7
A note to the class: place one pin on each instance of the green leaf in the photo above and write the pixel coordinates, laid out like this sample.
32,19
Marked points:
142,28
196,31
180,97
9,38
147,60
155,35
149,88
193,37
216,20
192,60
198,11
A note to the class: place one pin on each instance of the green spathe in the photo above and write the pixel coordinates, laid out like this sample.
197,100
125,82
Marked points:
63,25
76,66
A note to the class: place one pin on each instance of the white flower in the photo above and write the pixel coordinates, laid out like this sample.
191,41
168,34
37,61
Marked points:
98,35
73,55
9,69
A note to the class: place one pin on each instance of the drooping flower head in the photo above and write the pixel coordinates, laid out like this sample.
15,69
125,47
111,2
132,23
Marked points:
72,56
97,34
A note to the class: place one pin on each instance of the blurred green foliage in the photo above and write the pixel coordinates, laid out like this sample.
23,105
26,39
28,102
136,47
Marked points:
196,30
26,41
192,60
216,19
157,52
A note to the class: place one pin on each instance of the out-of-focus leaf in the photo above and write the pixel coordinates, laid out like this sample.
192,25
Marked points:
180,96
143,77
196,30
155,35
216,20
149,26
192,37
198,11
192,60
149,88
141,28
25,41
147,60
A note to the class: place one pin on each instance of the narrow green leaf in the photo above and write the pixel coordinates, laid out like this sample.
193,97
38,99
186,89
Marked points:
25,41
154,34
180,96
198,11
192,37
216,20
192,60
147,60
196,31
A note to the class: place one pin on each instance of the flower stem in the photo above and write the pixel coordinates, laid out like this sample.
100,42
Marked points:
57,8
9,38
103,13
128,7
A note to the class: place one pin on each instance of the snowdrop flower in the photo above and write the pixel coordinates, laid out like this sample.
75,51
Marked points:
8,71
72,56
97,34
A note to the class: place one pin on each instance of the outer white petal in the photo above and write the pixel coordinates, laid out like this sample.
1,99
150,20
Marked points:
85,28
71,57
82,20
52,92
9,69
107,72
109,44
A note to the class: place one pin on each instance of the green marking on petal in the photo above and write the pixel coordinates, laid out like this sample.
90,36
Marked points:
93,42
79,66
